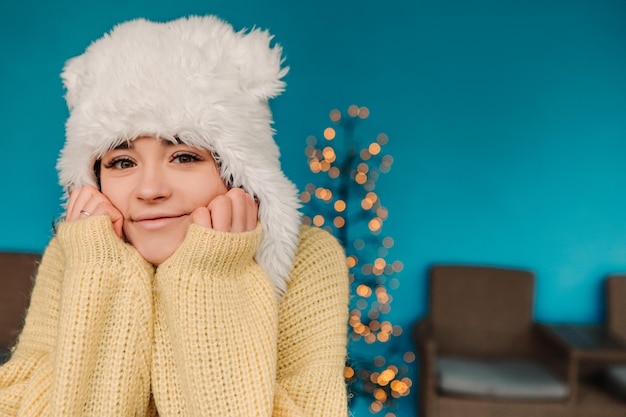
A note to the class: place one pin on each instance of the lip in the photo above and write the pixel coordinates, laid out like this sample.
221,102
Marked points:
157,221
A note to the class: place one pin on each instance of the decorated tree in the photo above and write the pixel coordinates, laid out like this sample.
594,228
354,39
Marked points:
344,201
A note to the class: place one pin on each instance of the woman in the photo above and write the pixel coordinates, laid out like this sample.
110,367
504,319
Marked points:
180,282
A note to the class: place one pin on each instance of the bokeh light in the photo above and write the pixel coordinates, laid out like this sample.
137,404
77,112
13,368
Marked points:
346,203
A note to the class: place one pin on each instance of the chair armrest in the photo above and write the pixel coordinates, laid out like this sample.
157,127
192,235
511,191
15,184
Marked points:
548,336
426,346
5,354
558,356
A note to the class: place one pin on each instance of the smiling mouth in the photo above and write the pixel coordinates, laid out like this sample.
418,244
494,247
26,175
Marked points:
157,217
153,223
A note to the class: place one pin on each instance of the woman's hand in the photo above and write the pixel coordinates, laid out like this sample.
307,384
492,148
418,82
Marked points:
236,212
88,201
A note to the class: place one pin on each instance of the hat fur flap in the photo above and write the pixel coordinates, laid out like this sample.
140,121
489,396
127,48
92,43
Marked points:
196,80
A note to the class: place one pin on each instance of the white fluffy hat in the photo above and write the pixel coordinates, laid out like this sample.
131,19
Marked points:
197,80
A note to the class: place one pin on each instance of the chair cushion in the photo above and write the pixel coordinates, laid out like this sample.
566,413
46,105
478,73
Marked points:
615,378
513,379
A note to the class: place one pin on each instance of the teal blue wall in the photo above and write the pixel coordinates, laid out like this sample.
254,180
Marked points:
507,122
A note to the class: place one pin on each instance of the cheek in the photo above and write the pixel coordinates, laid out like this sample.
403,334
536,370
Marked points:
116,192
202,192
203,200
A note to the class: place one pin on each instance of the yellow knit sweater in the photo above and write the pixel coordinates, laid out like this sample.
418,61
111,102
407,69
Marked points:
201,335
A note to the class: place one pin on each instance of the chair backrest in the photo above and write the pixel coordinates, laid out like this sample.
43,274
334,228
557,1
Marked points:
17,272
480,310
616,305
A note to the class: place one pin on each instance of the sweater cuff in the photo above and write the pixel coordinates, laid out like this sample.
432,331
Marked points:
91,241
210,250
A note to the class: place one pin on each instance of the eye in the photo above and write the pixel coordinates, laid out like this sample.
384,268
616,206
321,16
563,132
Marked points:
120,163
185,158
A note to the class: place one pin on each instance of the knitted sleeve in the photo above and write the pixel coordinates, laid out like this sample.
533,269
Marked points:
312,343
25,379
85,349
215,328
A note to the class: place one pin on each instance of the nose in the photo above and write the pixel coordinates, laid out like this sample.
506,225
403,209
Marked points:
153,184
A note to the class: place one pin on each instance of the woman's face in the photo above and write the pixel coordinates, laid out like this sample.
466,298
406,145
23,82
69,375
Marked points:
156,185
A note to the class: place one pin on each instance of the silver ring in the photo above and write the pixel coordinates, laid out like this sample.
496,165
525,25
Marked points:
85,212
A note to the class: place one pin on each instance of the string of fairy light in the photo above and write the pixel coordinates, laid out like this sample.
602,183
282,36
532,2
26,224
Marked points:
346,202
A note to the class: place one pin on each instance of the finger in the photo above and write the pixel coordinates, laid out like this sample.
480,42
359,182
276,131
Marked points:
89,202
104,206
201,217
239,199
221,213
70,203
253,213
118,227
78,199
95,205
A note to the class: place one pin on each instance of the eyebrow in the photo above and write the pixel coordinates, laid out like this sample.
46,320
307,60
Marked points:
124,145
129,143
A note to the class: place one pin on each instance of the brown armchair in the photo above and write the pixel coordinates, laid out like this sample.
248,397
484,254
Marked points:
17,272
615,375
616,306
480,354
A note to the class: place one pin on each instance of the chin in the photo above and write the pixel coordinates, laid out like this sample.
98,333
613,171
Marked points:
156,258
156,248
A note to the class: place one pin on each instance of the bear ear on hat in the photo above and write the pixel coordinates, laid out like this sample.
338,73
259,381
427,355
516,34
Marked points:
73,76
261,72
